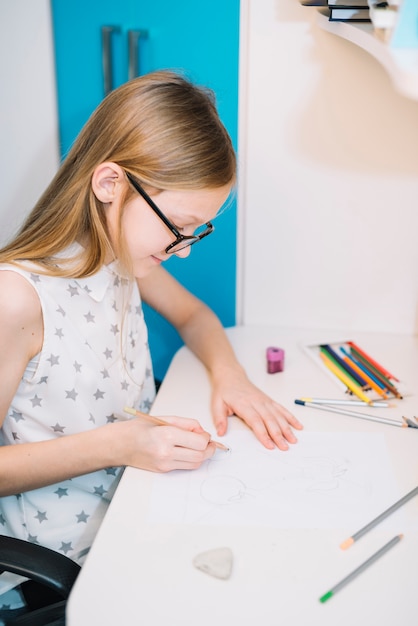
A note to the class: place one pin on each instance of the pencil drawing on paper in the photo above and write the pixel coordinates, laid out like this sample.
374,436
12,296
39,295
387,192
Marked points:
226,484
318,483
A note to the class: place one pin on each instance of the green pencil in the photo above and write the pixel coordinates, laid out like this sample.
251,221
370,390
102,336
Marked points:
361,568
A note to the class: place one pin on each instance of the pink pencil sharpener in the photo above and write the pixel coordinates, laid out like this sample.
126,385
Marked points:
275,360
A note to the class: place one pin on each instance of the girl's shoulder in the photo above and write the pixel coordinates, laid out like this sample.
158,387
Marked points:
21,331
19,301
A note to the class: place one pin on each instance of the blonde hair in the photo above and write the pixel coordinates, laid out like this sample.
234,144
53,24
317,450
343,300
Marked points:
162,129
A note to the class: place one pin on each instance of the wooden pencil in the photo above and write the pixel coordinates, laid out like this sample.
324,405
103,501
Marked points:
160,422
404,423
361,568
373,362
354,387
387,383
345,367
349,542
367,378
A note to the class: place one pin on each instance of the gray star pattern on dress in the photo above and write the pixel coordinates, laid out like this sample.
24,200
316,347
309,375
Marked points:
36,400
58,428
66,547
95,361
17,415
41,516
82,517
61,492
54,359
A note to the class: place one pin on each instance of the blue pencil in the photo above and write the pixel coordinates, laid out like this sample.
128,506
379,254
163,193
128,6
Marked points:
343,365
363,368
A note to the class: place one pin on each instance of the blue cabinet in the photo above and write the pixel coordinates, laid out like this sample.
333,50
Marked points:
198,38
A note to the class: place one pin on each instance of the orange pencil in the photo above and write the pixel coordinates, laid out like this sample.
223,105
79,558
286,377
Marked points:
367,378
375,364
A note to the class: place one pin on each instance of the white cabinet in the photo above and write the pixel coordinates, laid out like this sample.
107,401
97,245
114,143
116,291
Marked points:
328,184
29,153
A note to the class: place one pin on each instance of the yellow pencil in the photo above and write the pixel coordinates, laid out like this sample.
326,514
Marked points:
159,422
345,379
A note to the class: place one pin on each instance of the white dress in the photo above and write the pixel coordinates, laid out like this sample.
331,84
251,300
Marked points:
94,361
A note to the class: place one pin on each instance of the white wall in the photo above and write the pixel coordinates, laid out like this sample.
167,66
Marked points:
328,191
29,153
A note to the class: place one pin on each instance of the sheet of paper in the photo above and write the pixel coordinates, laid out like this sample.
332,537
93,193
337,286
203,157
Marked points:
326,480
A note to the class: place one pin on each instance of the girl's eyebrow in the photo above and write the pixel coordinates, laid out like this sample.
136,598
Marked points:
189,219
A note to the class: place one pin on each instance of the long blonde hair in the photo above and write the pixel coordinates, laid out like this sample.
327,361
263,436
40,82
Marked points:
162,129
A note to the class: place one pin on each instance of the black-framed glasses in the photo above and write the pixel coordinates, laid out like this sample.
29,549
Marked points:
181,241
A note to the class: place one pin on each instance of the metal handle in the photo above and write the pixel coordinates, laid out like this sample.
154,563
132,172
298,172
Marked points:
133,51
107,57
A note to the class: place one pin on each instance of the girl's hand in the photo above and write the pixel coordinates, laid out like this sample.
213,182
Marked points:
235,394
181,444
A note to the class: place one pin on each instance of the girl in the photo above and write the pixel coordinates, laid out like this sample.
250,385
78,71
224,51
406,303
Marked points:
146,176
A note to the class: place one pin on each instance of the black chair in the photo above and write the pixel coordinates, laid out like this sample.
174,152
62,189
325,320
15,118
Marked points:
51,576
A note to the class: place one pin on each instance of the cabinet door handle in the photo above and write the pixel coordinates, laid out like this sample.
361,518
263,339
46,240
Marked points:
107,57
133,51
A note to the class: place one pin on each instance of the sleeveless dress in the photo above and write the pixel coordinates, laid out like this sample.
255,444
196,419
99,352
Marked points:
94,361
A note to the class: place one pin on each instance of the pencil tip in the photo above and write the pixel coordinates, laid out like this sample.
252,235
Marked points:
408,422
326,597
130,410
347,543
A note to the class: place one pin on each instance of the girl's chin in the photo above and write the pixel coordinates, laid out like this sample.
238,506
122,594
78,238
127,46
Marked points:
146,266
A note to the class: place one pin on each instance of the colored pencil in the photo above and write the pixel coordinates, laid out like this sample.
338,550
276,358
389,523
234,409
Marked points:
405,423
378,403
349,542
371,368
372,361
367,372
356,389
387,383
339,362
159,422
390,544
367,378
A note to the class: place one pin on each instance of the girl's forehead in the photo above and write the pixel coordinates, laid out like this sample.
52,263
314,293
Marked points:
194,204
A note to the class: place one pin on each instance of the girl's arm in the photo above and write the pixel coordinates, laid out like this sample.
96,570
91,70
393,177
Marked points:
233,393
135,442
25,466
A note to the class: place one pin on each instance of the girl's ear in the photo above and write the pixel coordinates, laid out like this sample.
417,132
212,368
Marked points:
107,181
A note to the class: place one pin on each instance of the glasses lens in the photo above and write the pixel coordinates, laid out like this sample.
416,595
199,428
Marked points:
181,245
199,233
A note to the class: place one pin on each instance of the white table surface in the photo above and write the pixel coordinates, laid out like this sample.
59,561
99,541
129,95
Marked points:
141,573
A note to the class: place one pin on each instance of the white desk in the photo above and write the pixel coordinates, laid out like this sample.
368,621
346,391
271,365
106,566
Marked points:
139,573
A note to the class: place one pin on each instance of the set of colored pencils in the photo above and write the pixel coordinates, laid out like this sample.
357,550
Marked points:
359,372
